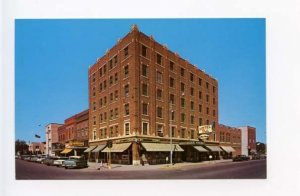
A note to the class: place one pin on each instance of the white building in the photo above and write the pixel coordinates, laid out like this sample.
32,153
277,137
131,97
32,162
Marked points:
248,140
51,138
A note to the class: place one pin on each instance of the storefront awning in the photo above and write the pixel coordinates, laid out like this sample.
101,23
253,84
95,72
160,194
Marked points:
99,148
214,148
117,147
228,149
66,150
90,149
155,147
200,149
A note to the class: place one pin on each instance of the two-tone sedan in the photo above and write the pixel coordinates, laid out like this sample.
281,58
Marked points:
75,162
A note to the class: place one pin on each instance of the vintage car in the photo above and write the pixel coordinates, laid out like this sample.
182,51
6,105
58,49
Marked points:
240,158
50,160
60,161
75,162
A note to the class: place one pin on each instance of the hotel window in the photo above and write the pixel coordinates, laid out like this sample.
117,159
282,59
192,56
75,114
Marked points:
214,89
191,77
94,135
192,133
182,117
207,98
192,91
110,64
214,112
171,82
111,114
144,70
116,77
126,108
145,108
101,118
173,131
105,132
192,119
105,116
116,95
94,120
94,94
94,106
111,132
200,81
104,69
104,84
101,72
200,108
200,95
144,51
182,71
111,96
207,86
145,128
172,116
159,94
192,105
126,51
207,111
159,77
126,90
182,102
127,128
100,87
182,87
172,99
94,77
145,89
116,59
182,133
200,121
158,59
117,130
171,66
160,130
116,113
126,71
111,80
104,100
207,122
214,101
159,112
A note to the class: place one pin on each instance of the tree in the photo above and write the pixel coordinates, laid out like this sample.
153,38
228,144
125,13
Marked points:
21,147
260,148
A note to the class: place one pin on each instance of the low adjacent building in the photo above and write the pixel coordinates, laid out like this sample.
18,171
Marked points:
37,148
52,143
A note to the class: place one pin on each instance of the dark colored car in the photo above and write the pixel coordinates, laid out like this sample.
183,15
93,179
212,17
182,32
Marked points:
75,162
50,160
240,158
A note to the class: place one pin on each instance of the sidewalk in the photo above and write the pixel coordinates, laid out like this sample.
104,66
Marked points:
117,167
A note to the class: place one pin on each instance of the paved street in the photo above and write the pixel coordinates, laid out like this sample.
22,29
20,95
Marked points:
255,169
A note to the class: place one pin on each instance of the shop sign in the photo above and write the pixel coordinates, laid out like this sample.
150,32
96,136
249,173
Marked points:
74,143
203,136
205,129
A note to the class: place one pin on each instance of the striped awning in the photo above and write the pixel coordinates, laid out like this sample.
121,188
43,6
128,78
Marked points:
99,148
90,149
156,147
200,149
117,147
66,150
214,148
228,149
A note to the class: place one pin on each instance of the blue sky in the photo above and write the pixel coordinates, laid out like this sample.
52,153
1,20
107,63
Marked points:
52,58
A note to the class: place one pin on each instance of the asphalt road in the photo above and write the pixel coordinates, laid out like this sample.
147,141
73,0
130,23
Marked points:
255,169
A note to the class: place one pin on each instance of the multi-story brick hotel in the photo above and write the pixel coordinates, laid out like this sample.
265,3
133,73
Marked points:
141,94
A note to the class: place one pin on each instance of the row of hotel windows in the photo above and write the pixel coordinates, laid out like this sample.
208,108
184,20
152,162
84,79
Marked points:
114,131
114,114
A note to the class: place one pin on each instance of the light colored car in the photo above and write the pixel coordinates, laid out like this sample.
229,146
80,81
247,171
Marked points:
40,159
60,161
75,162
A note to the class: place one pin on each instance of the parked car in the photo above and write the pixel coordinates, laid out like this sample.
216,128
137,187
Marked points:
50,160
75,162
41,158
240,158
33,158
60,161
256,157
27,158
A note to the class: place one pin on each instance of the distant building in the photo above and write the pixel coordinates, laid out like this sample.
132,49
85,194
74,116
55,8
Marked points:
37,147
52,143
230,140
248,144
